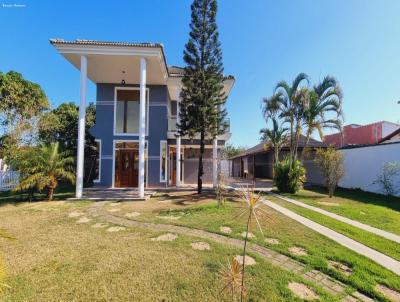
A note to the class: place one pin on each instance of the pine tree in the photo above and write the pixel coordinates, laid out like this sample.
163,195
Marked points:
202,98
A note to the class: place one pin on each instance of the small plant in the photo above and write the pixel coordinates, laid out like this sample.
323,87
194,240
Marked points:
252,210
331,163
386,179
232,277
289,175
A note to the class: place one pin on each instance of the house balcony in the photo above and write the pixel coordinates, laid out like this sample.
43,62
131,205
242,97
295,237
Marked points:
173,130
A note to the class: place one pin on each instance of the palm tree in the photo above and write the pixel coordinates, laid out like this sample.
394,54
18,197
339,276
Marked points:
288,103
325,98
45,167
277,137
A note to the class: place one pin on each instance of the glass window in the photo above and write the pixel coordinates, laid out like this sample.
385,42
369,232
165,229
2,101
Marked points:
163,161
128,110
96,170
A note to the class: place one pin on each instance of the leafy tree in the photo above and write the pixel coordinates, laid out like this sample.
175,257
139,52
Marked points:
21,103
231,150
277,136
289,175
330,161
202,98
325,98
288,104
43,167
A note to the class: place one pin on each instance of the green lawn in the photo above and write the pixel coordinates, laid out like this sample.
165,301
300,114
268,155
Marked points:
376,242
366,273
373,209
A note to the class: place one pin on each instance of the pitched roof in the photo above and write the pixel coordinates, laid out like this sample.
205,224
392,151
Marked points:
105,43
312,143
389,136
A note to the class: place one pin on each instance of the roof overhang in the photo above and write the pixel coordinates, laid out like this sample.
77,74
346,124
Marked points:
110,62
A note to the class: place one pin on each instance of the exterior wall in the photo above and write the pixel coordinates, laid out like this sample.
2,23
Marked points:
393,139
362,165
104,130
361,135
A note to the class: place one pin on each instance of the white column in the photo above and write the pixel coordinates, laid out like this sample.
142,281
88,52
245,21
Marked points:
215,162
142,125
178,142
81,129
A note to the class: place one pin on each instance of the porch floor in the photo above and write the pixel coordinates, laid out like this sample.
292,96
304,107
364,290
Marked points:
105,193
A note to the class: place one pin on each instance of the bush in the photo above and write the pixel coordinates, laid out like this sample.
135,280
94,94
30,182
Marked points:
289,176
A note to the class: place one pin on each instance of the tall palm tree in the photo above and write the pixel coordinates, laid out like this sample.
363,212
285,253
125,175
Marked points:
325,98
277,137
44,168
288,103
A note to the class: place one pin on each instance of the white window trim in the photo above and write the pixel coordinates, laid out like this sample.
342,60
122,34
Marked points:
166,160
99,178
113,160
115,110
171,167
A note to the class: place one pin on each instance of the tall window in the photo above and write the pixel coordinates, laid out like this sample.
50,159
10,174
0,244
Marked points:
128,110
163,161
96,162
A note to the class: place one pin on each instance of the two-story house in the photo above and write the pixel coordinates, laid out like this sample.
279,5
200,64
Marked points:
137,107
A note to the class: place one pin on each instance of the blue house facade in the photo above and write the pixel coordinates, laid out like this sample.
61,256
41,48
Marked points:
137,101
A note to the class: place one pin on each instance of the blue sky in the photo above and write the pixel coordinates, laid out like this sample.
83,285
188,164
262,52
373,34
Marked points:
263,42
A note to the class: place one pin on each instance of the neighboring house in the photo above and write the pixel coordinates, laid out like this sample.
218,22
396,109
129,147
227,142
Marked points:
137,107
354,134
391,138
257,162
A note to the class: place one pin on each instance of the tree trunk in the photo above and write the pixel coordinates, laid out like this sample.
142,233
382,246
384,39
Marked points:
50,193
200,172
305,145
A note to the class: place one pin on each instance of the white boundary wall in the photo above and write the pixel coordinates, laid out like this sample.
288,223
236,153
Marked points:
362,165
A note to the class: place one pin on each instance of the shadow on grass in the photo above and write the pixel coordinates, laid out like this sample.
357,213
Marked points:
358,195
62,192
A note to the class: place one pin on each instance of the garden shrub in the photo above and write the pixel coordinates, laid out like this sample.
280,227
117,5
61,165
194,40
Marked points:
289,179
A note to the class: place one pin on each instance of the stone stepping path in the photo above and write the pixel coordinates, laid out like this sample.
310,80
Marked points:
165,237
389,293
272,241
298,251
341,267
169,217
99,225
248,261
132,214
250,235
84,220
115,229
302,291
225,230
114,210
284,262
200,246
75,214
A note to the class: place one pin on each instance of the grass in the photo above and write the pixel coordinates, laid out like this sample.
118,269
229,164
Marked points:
376,210
53,258
376,242
204,214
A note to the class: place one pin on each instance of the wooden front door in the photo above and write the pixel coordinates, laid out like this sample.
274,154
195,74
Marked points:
127,168
172,160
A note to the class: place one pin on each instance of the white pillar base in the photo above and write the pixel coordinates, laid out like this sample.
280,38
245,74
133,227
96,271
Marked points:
215,162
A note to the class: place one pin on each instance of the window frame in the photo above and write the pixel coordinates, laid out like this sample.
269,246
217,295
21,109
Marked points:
115,110
99,176
166,161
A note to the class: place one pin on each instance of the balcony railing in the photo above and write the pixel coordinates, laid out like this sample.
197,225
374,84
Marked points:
172,125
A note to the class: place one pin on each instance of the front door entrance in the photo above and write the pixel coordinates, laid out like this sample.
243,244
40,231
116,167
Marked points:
127,168
172,165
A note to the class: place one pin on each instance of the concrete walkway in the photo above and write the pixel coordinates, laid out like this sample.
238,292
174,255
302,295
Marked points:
365,227
386,261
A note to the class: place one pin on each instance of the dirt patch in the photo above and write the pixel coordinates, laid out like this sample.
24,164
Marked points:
247,260
343,268
115,229
302,291
75,214
272,241
328,204
169,217
132,214
201,246
165,237
250,235
389,293
298,251
114,204
84,220
99,225
225,230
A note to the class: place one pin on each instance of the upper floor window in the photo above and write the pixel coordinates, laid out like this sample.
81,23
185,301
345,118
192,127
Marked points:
127,110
